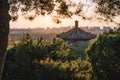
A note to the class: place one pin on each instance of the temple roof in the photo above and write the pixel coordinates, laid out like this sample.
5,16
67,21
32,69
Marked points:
76,34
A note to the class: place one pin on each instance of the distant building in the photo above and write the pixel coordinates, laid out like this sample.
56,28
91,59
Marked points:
76,35
105,28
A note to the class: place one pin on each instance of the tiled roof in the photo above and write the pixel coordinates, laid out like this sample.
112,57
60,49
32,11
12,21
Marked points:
76,34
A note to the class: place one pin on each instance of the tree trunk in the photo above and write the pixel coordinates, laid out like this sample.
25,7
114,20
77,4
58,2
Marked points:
4,31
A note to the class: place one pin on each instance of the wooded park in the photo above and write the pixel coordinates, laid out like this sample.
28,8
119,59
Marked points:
103,53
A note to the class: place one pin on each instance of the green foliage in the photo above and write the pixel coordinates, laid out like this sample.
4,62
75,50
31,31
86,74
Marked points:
42,60
104,54
79,51
67,70
11,42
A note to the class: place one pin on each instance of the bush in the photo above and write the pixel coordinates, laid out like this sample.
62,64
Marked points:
104,54
67,70
42,60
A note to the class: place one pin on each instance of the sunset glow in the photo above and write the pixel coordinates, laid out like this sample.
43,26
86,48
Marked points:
46,21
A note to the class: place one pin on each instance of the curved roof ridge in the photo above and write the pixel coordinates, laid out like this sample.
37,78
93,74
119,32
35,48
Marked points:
76,34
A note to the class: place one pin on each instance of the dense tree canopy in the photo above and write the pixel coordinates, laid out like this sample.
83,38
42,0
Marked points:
41,60
104,54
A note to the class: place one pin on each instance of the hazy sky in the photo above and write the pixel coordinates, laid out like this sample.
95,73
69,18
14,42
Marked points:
46,21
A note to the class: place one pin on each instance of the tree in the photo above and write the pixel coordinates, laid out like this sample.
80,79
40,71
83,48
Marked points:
41,60
4,30
40,7
108,10
104,54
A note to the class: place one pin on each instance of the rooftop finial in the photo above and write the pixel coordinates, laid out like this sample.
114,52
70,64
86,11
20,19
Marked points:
76,23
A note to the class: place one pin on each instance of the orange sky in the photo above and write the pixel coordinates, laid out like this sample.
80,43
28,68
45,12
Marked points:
47,21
